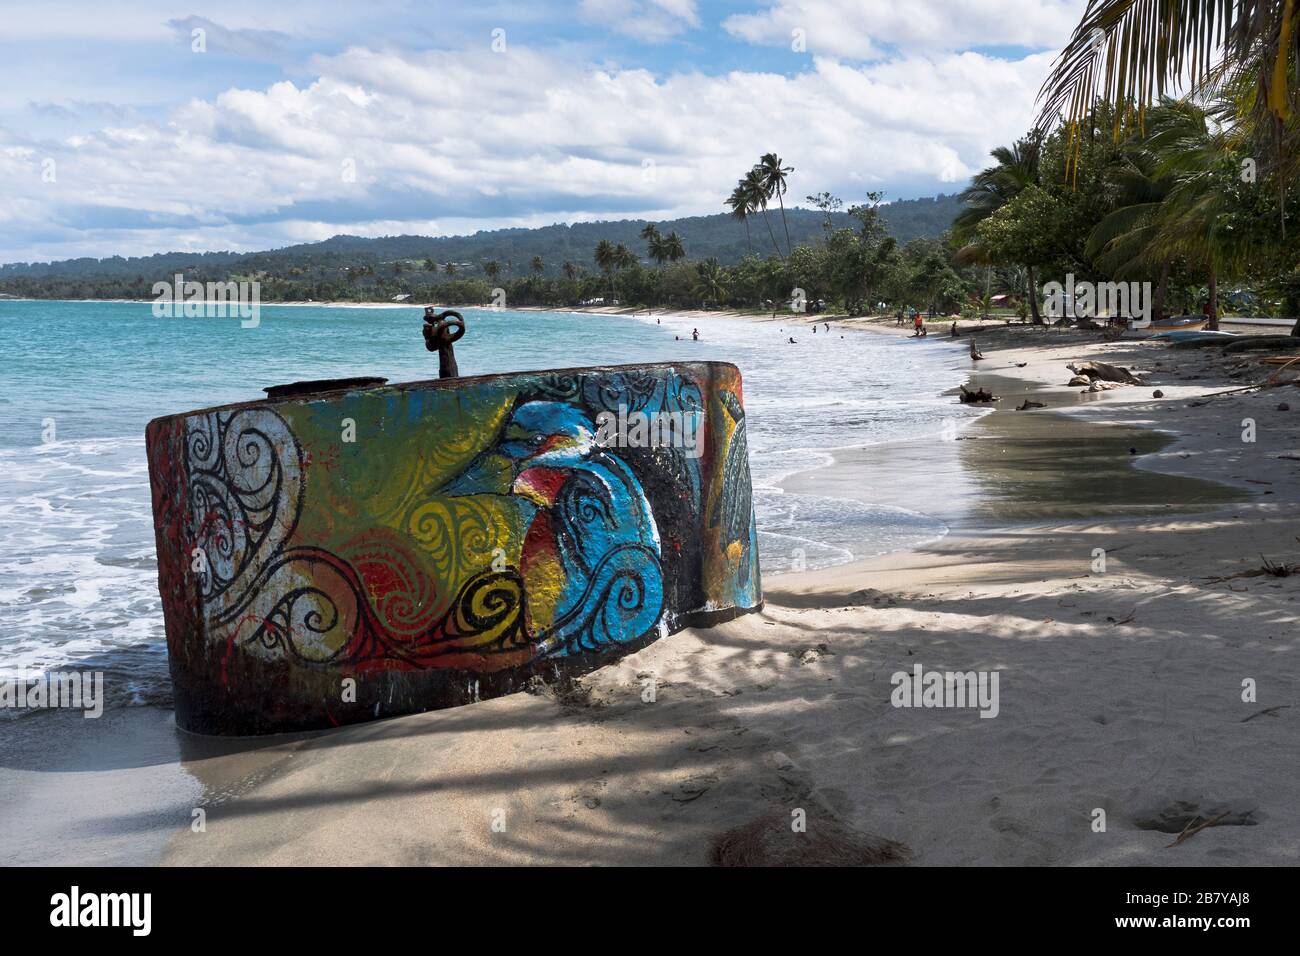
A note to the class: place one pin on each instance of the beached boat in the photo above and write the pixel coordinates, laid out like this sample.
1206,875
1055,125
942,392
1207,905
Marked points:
1184,335
1189,324
342,551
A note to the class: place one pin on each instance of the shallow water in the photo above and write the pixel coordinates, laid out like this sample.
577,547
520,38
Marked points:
79,381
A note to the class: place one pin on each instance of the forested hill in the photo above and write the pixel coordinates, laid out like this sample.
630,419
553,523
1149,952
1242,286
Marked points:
718,236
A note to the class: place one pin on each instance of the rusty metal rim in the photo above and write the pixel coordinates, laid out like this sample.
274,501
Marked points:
443,384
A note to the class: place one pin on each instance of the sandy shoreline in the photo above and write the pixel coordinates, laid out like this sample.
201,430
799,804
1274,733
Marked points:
1119,691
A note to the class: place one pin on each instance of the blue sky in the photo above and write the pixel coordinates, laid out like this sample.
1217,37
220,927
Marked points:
130,128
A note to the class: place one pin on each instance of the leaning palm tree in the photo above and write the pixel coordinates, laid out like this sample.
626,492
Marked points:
754,189
740,209
1192,212
1197,219
773,173
1016,169
1132,52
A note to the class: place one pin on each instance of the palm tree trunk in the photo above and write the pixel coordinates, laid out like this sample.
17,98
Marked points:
784,224
1033,297
1214,300
1162,292
772,234
749,240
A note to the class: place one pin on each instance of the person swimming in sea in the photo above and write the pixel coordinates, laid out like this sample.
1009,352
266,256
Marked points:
695,334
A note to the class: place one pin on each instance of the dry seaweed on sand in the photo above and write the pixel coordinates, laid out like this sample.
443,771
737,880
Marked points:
1268,569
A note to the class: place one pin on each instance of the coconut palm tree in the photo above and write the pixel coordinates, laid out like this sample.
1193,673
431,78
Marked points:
570,271
1131,52
1017,168
773,172
492,269
658,249
605,258
1196,220
655,242
1124,242
673,248
624,258
449,269
620,257
710,284
740,209
755,192
537,265
1185,206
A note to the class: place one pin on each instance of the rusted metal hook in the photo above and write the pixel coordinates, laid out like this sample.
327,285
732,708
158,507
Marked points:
441,329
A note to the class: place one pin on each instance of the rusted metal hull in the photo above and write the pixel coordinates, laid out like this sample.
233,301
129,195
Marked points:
336,557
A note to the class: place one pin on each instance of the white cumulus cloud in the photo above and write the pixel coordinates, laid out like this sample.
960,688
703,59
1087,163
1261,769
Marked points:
384,141
870,29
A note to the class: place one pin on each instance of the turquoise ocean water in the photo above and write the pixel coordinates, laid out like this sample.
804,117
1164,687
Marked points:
79,381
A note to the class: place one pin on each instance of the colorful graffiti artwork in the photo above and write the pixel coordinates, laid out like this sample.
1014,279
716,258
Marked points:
438,542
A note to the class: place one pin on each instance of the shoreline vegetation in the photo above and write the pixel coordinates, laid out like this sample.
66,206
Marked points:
1187,219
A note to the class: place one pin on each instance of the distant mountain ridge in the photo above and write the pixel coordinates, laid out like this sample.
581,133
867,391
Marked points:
718,236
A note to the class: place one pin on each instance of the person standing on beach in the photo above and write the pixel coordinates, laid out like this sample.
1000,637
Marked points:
918,323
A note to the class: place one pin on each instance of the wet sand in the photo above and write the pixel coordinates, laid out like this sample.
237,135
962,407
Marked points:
1011,467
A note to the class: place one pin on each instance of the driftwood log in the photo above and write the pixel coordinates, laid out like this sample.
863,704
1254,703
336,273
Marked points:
1104,372
977,397
441,329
